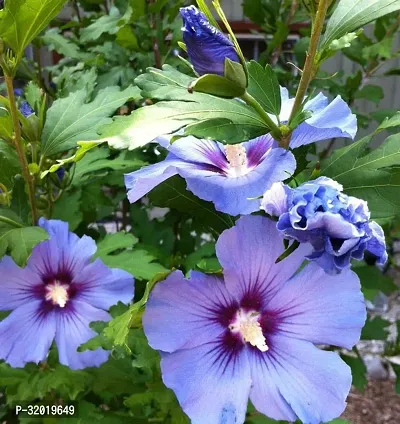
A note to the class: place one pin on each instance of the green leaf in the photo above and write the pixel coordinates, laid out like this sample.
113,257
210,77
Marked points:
113,242
358,371
23,20
118,328
54,40
70,120
106,24
264,87
217,86
396,369
138,262
6,127
180,109
127,38
19,202
9,164
99,162
394,121
373,281
375,329
373,93
383,49
16,240
234,72
33,96
68,208
369,176
350,15
24,386
173,194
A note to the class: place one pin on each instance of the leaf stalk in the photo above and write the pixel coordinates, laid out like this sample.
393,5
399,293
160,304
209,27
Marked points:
251,101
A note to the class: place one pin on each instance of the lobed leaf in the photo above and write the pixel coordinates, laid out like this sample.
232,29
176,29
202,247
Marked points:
23,20
350,15
372,176
179,108
70,119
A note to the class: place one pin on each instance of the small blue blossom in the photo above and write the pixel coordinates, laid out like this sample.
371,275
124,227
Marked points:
60,173
55,297
337,226
18,92
328,120
230,176
26,110
251,333
207,47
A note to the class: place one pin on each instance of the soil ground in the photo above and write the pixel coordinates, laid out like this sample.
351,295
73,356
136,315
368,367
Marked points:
379,404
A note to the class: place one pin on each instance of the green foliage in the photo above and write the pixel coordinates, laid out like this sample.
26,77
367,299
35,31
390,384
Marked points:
9,163
71,120
180,108
373,282
173,194
23,20
138,262
358,370
375,329
17,240
98,92
369,175
350,15
217,86
264,87
110,24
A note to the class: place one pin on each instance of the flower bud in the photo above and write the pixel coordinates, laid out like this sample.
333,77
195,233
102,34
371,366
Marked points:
207,47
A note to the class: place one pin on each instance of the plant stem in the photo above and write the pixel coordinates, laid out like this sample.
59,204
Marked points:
251,101
20,147
309,71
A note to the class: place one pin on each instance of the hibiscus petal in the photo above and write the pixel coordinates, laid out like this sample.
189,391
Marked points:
236,195
188,310
247,253
73,330
199,151
308,307
294,378
335,120
377,244
63,252
275,200
103,287
210,388
139,183
17,284
26,334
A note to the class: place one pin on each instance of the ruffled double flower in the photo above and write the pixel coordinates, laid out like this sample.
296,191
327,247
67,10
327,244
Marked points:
336,225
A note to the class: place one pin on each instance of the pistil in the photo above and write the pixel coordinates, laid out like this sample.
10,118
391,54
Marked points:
247,325
57,293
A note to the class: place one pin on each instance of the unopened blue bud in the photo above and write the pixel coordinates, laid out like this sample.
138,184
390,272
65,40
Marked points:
207,47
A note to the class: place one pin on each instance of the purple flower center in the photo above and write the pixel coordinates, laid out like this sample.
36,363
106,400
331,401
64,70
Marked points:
56,290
